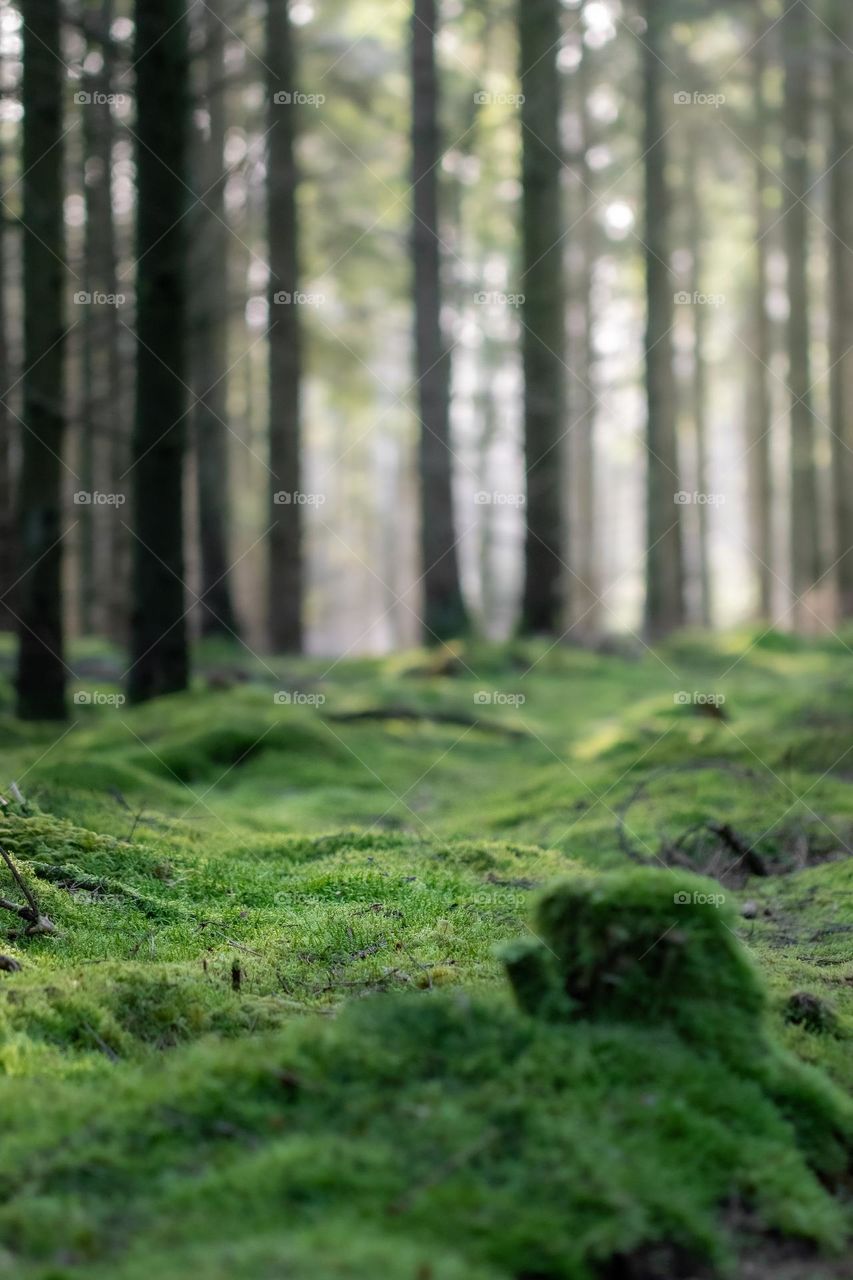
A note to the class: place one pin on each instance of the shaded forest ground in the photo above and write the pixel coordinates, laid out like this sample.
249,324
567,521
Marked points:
182,1091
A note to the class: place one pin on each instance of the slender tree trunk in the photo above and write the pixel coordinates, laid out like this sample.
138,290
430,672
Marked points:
543,340
41,669
665,609
699,381
209,263
159,640
7,485
761,410
841,328
584,591
101,525
797,112
444,609
286,573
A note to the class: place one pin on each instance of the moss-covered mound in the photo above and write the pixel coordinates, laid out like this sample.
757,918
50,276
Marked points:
439,1136
646,946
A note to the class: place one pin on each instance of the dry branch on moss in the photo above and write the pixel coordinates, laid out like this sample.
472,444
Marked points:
30,911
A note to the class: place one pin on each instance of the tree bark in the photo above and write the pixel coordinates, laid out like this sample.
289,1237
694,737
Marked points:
286,572
665,607
7,483
543,314
159,635
699,381
584,590
209,265
41,668
760,415
101,417
841,327
444,613
797,113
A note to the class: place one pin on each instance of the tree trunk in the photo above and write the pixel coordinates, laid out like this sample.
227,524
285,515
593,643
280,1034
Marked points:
7,485
841,328
805,550
444,609
665,609
543,339
760,415
286,574
584,590
159,640
41,668
101,426
209,264
699,381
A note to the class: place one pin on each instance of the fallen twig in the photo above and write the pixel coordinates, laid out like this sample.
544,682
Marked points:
31,913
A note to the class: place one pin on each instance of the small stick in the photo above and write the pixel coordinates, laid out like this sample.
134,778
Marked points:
31,912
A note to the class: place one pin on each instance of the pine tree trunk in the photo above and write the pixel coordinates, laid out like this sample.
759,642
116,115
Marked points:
761,411
286,572
41,668
159,639
665,609
7,485
797,111
699,382
841,327
210,297
444,610
543,339
101,525
584,590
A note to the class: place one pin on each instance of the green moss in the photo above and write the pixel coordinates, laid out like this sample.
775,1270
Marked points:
365,1095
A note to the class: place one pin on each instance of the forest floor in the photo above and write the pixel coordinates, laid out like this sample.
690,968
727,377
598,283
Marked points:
271,1033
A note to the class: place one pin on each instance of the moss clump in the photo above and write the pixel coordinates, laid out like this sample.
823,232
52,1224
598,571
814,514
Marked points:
656,949
641,946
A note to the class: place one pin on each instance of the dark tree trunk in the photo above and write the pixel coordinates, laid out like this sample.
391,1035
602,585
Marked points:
7,484
543,340
760,416
101,426
665,610
159,641
841,328
444,609
210,342
805,548
41,668
286,573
